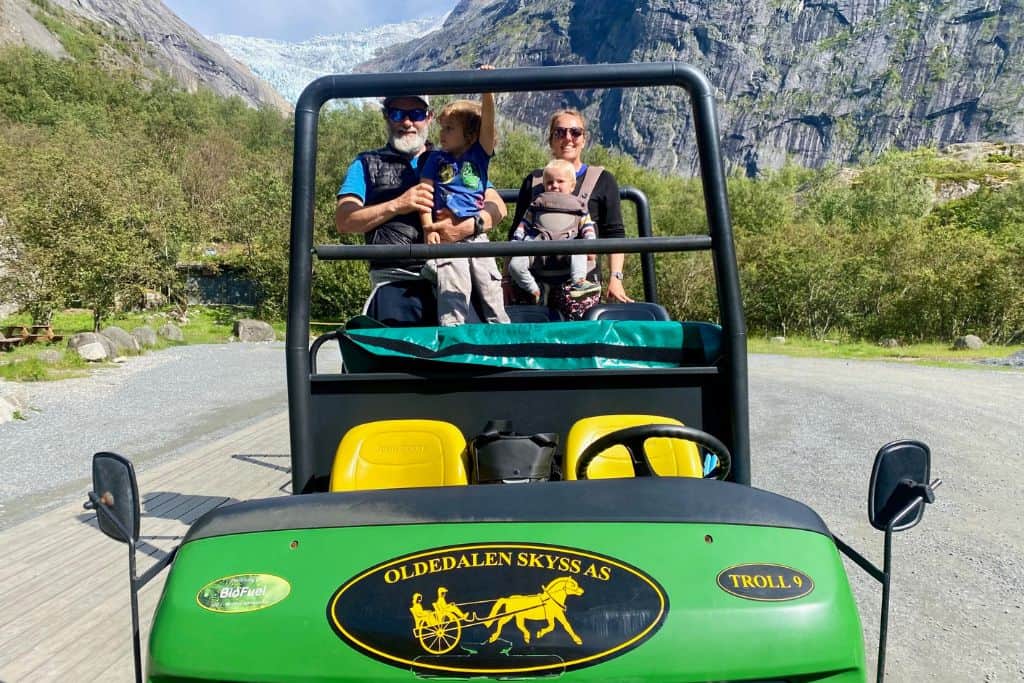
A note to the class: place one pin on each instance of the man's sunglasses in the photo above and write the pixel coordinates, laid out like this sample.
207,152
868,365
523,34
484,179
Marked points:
566,132
397,115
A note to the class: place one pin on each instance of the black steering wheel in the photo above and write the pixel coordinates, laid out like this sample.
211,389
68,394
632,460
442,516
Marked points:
634,438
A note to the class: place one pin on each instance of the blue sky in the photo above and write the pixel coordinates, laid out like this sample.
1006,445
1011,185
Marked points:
297,20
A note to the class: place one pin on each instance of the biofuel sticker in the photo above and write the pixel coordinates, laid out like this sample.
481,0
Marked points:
243,593
765,582
497,609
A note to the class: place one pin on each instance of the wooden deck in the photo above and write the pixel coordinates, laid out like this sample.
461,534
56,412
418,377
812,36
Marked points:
64,600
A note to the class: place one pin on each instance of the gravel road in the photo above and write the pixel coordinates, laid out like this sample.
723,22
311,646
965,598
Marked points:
150,408
957,606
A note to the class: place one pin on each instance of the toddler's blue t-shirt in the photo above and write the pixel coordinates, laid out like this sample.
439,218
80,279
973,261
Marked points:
459,182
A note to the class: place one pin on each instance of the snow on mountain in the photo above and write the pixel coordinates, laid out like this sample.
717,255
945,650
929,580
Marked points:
290,67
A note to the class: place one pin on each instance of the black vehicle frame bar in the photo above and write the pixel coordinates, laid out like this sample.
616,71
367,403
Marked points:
574,77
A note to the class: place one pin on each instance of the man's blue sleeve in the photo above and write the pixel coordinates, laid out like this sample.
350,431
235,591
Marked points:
355,182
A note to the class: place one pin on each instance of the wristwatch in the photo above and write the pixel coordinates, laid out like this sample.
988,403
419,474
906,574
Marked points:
478,225
617,275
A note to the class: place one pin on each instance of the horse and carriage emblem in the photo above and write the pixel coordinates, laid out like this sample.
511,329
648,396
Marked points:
439,630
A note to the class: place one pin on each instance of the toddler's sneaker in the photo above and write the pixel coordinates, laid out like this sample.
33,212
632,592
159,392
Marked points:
582,288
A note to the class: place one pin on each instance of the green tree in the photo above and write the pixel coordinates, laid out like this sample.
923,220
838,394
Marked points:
92,222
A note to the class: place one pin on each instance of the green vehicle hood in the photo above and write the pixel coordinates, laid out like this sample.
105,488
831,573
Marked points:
632,580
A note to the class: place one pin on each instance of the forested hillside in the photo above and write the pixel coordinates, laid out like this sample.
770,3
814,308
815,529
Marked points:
105,187
143,36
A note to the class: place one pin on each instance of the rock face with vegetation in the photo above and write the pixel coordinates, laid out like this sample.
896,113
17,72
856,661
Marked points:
131,33
821,82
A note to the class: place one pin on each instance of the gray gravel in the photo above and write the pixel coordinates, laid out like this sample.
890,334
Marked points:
149,408
957,608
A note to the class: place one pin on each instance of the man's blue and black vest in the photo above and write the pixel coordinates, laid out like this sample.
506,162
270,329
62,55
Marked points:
388,174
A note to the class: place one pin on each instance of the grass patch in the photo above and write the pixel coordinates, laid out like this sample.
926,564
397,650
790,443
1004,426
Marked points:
923,354
23,365
204,325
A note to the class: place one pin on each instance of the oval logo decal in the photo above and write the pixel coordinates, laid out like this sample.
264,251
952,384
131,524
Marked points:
243,593
765,582
497,608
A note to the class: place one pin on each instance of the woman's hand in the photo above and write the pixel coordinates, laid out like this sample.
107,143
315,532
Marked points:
616,292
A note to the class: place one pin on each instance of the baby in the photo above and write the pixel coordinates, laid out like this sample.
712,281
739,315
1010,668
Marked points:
556,214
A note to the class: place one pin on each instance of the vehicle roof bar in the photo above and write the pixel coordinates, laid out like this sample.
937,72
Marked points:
573,77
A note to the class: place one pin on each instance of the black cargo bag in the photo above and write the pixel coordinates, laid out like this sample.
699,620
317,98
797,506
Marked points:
500,456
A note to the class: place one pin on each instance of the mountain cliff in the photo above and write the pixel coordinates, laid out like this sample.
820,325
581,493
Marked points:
140,33
821,81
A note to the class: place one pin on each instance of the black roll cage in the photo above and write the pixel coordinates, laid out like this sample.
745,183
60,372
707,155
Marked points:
730,374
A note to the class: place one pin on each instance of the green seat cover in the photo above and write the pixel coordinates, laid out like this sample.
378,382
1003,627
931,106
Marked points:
579,345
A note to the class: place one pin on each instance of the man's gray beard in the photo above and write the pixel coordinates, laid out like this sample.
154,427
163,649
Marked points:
409,144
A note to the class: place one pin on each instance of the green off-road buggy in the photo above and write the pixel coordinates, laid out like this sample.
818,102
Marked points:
544,499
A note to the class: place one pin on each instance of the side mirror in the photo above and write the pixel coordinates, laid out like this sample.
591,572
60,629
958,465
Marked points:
900,475
114,488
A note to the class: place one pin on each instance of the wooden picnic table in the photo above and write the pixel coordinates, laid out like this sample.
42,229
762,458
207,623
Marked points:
8,343
31,333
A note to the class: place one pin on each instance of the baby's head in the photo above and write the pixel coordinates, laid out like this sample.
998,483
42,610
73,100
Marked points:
559,176
460,125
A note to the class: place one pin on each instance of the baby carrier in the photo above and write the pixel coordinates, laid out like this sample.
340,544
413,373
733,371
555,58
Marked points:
556,216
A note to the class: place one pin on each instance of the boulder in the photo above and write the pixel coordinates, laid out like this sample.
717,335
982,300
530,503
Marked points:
247,330
777,340
50,357
968,342
91,346
145,336
171,332
889,343
13,401
123,342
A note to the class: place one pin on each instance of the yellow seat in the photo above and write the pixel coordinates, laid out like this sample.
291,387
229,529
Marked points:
394,454
668,457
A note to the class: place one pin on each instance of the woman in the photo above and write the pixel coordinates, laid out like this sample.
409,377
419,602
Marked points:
567,136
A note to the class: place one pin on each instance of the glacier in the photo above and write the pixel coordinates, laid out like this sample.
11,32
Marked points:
290,67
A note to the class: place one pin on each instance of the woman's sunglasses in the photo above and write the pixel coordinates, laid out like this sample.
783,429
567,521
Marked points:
566,132
397,115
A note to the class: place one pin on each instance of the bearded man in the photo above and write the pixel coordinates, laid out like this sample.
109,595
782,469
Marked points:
382,197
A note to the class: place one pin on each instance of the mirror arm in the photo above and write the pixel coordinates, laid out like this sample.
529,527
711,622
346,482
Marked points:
95,503
927,495
861,561
156,568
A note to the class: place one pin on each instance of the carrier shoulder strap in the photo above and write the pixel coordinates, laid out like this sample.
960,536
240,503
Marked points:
589,182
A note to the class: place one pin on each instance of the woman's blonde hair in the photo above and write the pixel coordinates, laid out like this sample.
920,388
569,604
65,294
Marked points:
565,112
464,112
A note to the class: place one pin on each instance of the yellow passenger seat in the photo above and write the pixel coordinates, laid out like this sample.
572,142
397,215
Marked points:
393,454
668,457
